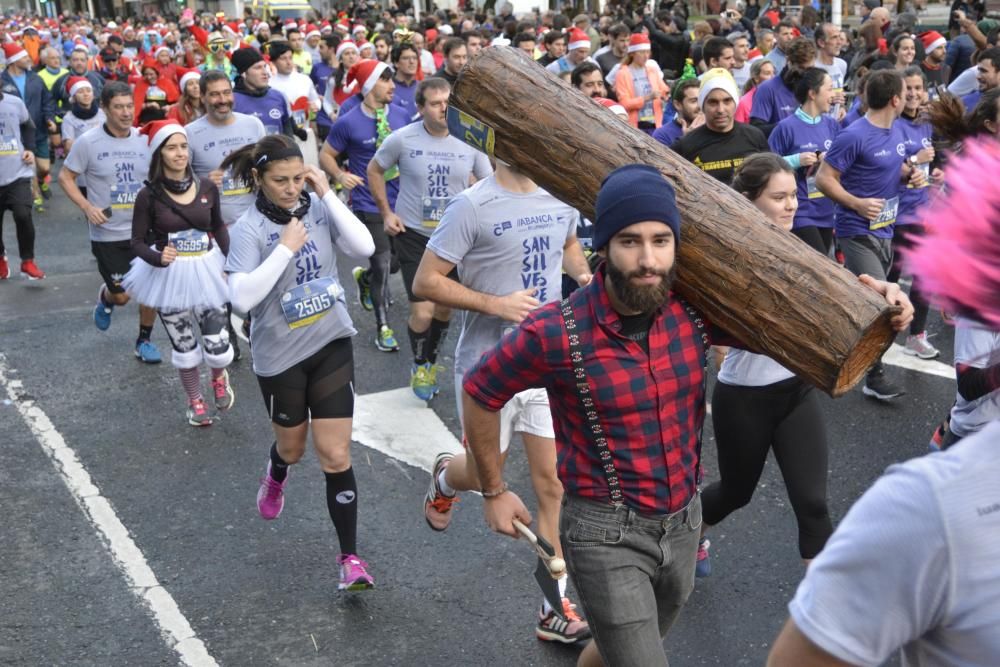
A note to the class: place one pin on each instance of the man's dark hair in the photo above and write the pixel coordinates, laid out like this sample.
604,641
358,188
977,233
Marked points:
288,33
115,39
397,51
678,93
522,37
468,34
431,83
582,70
525,26
992,54
113,89
714,46
451,44
619,30
784,23
881,87
211,76
331,41
551,36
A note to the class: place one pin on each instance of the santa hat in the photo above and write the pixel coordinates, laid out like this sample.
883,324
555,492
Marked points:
611,104
717,79
346,45
13,52
260,26
343,26
931,40
638,42
362,45
366,73
156,53
578,40
75,84
189,75
359,28
312,30
149,63
325,28
200,35
160,130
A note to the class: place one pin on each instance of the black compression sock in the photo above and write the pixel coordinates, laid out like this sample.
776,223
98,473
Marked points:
436,336
418,343
342,502
279,469
145,332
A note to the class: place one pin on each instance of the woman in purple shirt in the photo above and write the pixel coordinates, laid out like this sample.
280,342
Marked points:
803,139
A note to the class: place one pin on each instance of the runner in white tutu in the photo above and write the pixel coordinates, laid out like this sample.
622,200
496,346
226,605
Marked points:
180,242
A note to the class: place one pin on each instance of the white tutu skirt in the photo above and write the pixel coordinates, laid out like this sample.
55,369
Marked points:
189,282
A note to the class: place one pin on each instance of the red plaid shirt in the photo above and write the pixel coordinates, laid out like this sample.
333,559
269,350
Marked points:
652,407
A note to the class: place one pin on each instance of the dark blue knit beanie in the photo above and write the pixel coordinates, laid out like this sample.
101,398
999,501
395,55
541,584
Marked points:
630,194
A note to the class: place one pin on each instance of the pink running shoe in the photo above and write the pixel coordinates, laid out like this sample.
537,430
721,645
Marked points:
354,574
271,496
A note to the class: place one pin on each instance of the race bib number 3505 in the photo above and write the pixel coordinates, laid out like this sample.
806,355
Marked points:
307,303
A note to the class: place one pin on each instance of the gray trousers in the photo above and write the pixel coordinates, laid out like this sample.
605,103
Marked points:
867,254
871,255
633,573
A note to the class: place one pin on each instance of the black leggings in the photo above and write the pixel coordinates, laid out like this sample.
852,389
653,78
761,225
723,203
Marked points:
820,238
379,266
748,422
16,197
903,238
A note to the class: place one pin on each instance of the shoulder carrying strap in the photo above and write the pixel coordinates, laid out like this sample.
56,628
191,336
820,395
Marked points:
594,428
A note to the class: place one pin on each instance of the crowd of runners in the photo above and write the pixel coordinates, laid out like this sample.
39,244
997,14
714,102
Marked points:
225,164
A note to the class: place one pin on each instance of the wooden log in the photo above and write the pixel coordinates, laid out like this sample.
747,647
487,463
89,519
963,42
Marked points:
749,277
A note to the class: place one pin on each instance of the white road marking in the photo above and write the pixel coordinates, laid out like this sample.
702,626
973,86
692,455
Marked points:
400,425
896,357
174,627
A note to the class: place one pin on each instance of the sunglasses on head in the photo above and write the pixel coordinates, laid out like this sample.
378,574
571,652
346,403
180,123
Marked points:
216,47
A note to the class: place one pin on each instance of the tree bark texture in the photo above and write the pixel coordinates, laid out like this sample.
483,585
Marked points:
749,277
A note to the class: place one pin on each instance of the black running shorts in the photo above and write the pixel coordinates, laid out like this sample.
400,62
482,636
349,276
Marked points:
114,259
321,386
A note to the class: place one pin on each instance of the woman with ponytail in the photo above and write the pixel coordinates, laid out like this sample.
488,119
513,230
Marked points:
803,138
180,241
282,270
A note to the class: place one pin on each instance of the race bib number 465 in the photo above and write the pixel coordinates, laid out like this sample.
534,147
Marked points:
307,303
433,209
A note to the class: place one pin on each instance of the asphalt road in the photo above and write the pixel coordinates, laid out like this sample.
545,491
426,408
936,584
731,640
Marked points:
258,592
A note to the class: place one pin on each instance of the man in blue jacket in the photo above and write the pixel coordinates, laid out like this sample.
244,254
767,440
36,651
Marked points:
20,80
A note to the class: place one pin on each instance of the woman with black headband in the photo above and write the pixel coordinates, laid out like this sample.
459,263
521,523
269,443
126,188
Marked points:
180,239
283,271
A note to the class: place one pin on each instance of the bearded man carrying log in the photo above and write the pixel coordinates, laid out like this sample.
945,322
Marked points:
623,360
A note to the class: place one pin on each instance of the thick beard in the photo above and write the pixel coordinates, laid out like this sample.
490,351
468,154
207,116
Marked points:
644,299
